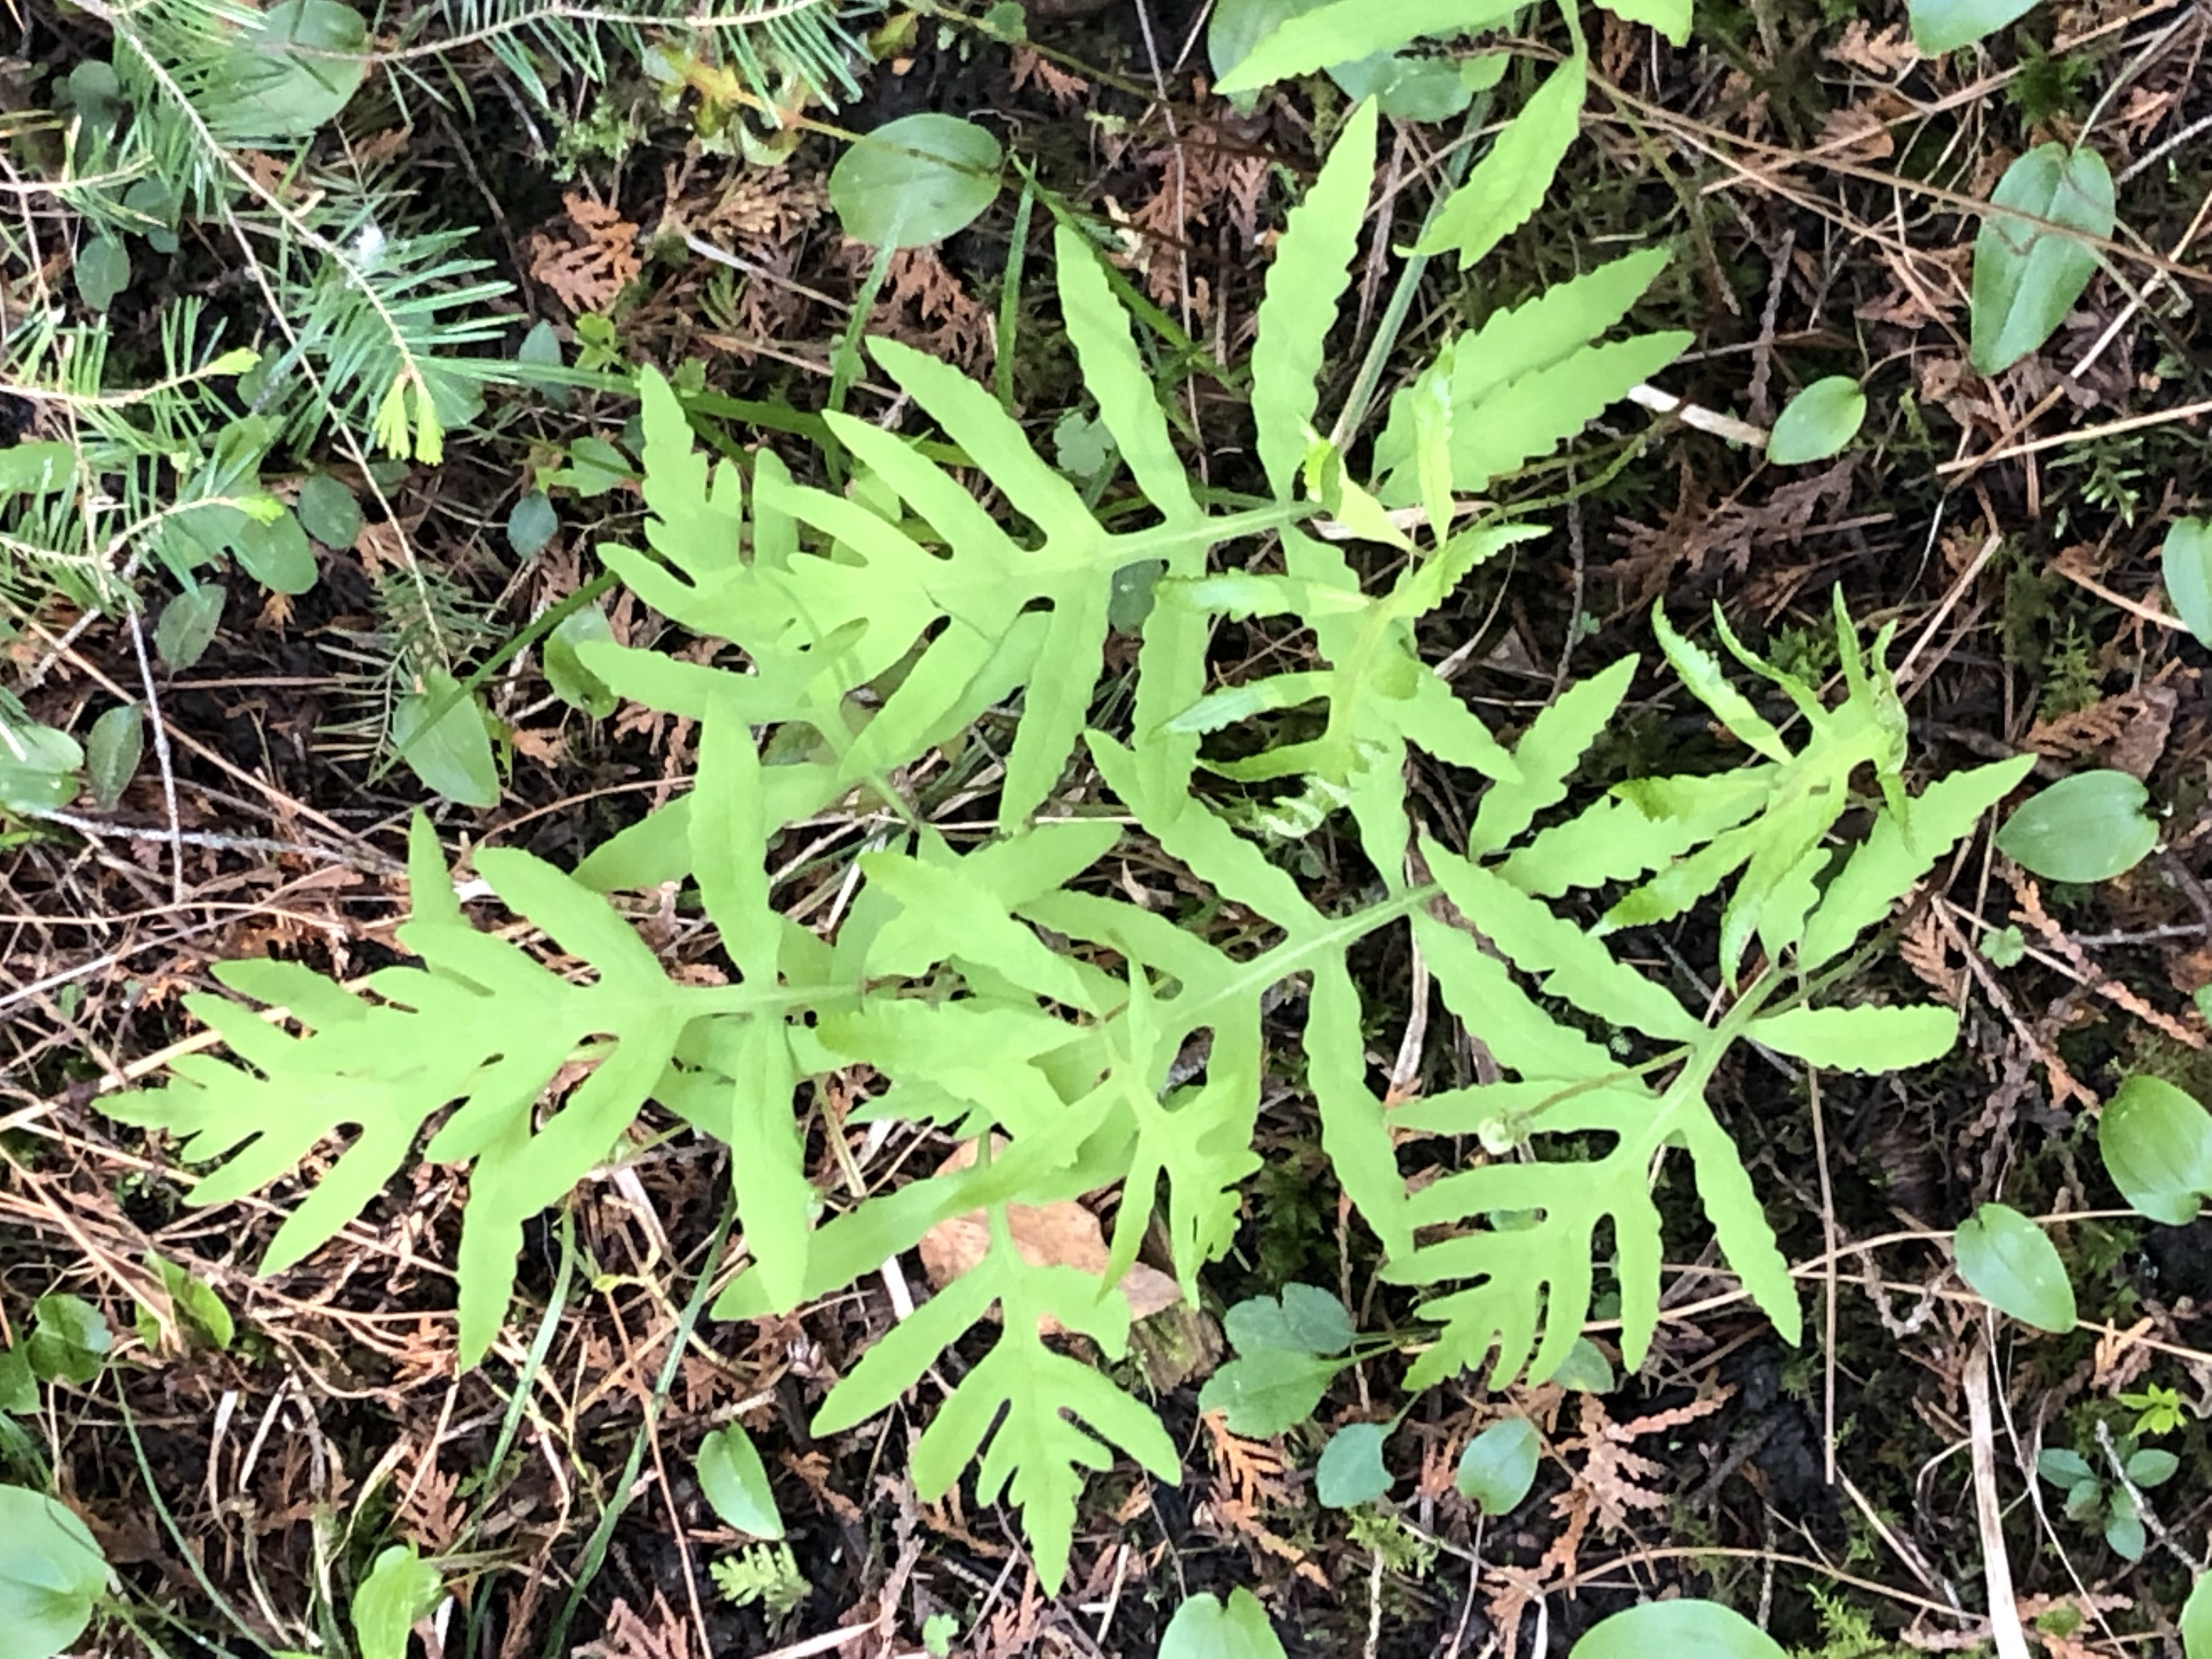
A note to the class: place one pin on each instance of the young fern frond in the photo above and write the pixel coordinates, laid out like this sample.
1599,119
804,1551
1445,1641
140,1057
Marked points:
1076,1040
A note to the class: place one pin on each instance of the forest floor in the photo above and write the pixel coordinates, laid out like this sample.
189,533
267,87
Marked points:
1812,174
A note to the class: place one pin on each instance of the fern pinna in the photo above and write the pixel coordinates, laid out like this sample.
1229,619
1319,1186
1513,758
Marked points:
1000,991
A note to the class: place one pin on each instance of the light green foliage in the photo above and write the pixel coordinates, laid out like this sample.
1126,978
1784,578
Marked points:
51,1572
1002,993
1351,1470
1665,1630
401,1587
765,1573
1940,25
195,1313
2111,1491
1499,1465
2196,1620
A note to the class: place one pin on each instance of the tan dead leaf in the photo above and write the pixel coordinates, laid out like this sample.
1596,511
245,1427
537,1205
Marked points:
1858,134
1029,64
587,271
275,612
2129,730
1887,53
540,743
1061,1234
381,547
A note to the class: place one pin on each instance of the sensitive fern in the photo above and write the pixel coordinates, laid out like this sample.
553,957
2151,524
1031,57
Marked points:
1074,1039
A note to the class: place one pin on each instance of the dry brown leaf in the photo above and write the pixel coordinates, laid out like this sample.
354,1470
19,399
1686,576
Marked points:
587,271
1888,53
1061,1234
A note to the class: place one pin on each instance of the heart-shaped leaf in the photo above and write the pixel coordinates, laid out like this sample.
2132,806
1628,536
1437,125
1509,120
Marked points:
1268,1392
916,180
2027,276
1675,1630
1499,1465
1203,1628
2012,1266
2090,827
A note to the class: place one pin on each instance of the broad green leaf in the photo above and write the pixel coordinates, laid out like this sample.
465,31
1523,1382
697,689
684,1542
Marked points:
1351,1471
735,1481
2157,1146
19,1386
2063,1468
1305,1320
2027,276
2196,1620
1865,1038
187,626
1499,1465
1268,1392
275,553
1941,26
327,510
1204,1628
289,70
2185,566
455,757
2089,827
112,749
52,1574
1508,184
1818,423
2011,1264
916,180
102,271
400,1589
1676,1630
70,1340
531,524
1342,31
2152,1467
2124,1527
38,763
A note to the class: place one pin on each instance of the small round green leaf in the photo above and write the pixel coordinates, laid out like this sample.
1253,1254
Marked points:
1585,1369
328,511
2012,1266
735,1481
916,180
1818,423
2124,1527
2090,827
112,749
1941,26
2157,1145
1305,1320
2153,1466
1351,1470
532,525
2186,564
2062,1467
400,1589
51,1572
102,271
1203,1628
1499,1465
1268,1392
1677,1630
187,624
